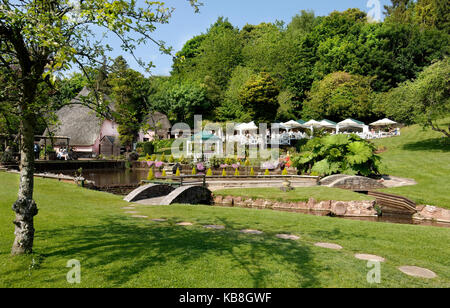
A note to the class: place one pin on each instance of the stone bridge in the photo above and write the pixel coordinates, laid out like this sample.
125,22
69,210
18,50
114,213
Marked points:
162,194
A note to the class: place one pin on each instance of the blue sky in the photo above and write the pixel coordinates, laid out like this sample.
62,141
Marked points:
185,24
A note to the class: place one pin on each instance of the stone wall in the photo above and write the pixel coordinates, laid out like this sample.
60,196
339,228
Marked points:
432,213
337,208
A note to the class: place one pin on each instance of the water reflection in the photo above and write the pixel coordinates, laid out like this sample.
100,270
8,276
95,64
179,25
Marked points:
107,177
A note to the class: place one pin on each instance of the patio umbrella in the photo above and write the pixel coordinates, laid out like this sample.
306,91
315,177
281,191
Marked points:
383,122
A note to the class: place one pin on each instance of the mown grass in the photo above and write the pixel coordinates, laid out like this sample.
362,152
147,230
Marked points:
298,194
116,250
424,155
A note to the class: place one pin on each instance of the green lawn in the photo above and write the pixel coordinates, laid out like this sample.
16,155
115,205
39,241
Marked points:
298,194
116,250
422,155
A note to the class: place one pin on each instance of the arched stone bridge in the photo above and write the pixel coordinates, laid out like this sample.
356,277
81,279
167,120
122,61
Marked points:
163,194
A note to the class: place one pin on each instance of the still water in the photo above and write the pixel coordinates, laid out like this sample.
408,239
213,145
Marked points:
106,177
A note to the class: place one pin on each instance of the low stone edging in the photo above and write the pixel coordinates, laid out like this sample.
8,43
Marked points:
364,208
432,213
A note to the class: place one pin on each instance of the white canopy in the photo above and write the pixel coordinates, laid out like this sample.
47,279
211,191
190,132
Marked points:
327,123
350,123
246,126
312,123
383,122
292,124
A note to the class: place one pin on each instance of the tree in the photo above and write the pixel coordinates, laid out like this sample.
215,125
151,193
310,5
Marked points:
259,97
41,38
129,92
425,100
338,96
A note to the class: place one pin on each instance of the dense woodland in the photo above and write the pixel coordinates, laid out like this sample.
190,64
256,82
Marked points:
336,66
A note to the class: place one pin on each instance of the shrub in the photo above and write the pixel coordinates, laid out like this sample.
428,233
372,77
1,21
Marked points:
178,173
171,159
348,154
164,173
285,172
150,176
236,172
267,172
224,173
194,171
148,148
252,172
163,158
209,172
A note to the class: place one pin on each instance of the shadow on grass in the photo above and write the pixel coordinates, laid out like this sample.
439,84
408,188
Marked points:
435,144
142,246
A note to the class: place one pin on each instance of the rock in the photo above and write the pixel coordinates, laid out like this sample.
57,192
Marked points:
258,203
433,213
251,231
184,224
217,227
329,246
248,202
218,199
237,201
369,257
417,272
139,216
268,204
301,205
322,206
311,203
338,208
228,201
288,237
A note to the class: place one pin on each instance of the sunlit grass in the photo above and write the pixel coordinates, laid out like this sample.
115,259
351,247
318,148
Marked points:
116,250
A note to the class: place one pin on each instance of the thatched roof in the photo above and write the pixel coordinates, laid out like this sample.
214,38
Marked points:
158,120
78,122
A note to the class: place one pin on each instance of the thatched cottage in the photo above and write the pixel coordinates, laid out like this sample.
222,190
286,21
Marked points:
158,124
91,136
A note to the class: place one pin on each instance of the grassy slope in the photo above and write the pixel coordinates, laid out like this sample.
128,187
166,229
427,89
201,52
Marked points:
298,194
119,251
421,155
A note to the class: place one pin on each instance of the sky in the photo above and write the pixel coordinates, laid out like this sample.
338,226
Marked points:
185,23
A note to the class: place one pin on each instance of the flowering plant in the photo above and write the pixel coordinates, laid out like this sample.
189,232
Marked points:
200,167
150,163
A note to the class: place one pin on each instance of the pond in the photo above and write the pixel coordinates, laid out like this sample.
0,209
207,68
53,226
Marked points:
106,177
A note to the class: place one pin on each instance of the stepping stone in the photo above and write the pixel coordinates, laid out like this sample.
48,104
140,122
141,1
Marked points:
288,237
139,216
184,224
217,227
128,208
251,231
159,220
131,212
329,246
417,272
369,257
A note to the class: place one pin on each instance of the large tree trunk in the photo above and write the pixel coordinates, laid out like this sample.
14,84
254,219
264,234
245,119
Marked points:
25,207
